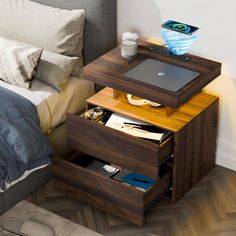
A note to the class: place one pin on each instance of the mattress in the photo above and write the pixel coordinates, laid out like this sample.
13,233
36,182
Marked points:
25,175
52,105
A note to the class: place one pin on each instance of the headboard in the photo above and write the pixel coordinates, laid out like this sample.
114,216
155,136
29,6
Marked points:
100,25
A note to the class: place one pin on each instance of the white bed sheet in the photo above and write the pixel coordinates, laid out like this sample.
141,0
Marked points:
52,105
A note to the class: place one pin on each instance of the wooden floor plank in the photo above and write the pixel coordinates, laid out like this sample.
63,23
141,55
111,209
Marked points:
208,209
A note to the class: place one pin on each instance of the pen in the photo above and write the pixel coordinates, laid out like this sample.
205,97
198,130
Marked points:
149,128
134,127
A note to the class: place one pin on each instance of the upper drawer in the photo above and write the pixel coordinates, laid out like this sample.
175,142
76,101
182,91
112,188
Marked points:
117,147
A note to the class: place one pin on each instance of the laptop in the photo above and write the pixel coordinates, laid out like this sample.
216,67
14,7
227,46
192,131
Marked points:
162,75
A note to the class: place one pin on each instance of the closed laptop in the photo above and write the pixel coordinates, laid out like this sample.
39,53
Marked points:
162,75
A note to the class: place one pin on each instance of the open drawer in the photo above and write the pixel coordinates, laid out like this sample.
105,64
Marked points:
104,192
117,147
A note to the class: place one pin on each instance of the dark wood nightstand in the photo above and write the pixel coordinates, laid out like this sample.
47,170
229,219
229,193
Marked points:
177,164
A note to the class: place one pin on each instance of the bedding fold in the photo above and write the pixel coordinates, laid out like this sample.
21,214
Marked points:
23,146
52,106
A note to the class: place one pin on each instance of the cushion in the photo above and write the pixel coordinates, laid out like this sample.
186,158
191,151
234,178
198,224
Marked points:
18,62
57,30
55,69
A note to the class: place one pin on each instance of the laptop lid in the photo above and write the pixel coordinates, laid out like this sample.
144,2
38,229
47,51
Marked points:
162,75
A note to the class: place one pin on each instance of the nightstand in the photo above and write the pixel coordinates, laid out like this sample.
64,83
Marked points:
176,164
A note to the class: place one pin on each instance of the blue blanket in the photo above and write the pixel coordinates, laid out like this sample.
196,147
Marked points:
23,146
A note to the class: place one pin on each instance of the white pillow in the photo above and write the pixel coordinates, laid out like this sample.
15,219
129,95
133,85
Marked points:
55,69
18,62
53,29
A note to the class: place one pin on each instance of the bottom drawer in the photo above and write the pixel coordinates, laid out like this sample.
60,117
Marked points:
121,199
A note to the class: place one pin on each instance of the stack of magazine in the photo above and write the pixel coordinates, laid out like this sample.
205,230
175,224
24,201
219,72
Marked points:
137,128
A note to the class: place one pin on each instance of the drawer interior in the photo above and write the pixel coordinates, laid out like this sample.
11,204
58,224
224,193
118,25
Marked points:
94,166
104,116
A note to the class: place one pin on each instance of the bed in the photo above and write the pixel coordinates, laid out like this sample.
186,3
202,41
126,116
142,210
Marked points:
99,37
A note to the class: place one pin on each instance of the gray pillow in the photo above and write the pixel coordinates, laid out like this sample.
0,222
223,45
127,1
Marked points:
54,29
18,62
55,69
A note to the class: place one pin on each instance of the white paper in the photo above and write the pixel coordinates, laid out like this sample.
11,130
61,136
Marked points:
118,122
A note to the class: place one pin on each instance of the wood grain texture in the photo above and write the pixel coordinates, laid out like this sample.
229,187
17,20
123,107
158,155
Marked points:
195,129
117,147
109,71
136,217
100,191
154,115
194,154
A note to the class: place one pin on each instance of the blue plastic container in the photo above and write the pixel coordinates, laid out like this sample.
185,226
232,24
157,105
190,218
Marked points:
178,43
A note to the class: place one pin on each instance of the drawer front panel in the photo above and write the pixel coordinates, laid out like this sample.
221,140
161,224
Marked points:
117,147
135,217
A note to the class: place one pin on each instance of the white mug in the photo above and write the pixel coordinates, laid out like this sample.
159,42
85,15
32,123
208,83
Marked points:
129,48
129,44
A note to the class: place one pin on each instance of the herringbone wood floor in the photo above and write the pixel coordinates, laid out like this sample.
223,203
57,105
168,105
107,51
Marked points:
209,209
